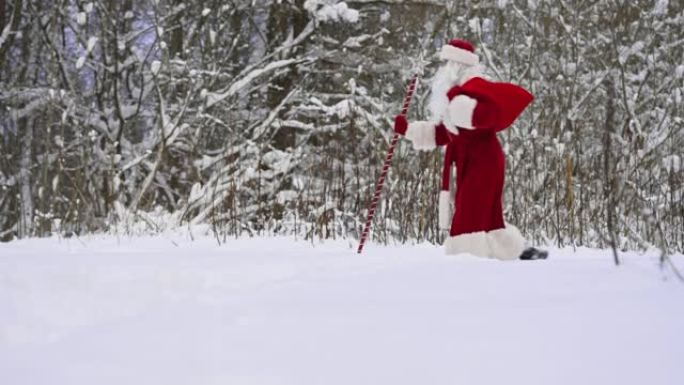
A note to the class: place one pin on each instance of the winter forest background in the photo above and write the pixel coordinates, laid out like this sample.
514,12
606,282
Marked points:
263,117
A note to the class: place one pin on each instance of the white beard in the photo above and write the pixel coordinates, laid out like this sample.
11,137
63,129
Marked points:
447,76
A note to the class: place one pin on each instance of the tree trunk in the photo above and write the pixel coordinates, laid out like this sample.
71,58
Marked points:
176,46
16,19
284,19
3,18
25,191
609,187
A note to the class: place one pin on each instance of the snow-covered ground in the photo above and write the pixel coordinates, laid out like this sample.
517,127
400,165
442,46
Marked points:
274,311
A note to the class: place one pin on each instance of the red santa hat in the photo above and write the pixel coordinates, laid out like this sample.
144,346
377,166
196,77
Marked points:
460,51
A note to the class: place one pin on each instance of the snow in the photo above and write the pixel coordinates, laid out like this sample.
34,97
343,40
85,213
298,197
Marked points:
167,310
626,52
81,18
4,35
80,62
356,41
213,98
474,24
91,44
680,71
326,11
342,109
286,196
660,7
156,65
672,163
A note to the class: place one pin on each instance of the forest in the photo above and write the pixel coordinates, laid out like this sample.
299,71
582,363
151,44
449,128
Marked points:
274,117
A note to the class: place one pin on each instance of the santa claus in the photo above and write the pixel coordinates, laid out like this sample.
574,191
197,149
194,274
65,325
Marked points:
466,113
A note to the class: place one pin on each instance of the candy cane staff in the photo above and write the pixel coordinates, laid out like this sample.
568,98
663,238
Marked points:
467,111
388,162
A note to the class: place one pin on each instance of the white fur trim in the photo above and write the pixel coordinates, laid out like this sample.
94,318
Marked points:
447,76
506,243
460,111
503,244
449,52
422,135
471,243
445,209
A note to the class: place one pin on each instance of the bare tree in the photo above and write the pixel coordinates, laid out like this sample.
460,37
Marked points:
274,116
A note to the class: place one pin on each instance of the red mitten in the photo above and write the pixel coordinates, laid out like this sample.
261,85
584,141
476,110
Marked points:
454,92
400,124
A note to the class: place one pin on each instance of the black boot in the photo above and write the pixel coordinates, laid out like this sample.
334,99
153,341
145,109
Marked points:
531,254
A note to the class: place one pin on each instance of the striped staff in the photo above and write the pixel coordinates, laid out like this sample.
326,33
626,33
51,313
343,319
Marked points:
388,162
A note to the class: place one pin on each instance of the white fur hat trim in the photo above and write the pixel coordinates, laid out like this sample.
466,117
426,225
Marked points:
449,52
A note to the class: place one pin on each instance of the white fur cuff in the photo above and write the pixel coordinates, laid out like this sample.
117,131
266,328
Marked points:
445,209
507,243
449,52
503,244
460,111
470,243
422,135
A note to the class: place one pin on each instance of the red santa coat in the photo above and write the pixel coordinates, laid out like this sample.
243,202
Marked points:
478,155
477,110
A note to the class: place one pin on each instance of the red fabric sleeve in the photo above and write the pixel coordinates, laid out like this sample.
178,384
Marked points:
441,135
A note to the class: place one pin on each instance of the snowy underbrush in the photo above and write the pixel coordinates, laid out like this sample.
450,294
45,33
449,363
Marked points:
325,224
161,222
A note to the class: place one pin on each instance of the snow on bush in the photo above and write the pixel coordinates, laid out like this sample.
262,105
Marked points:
325,11
81,18
80,62
672,163
156,65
